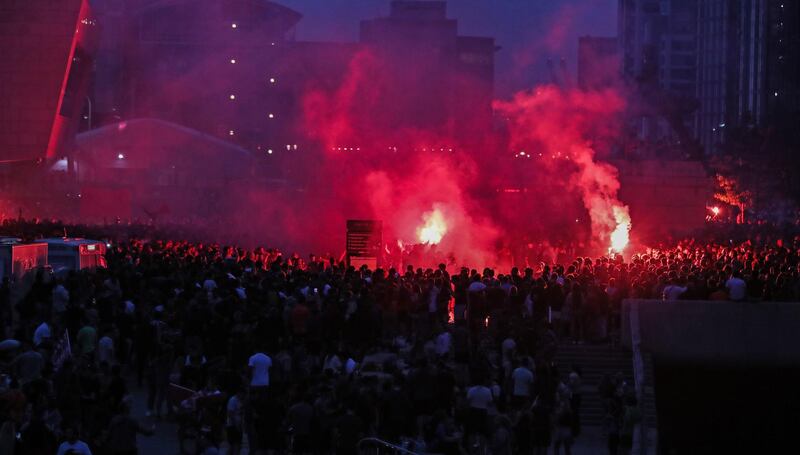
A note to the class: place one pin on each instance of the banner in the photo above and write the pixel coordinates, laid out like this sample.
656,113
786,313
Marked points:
61,351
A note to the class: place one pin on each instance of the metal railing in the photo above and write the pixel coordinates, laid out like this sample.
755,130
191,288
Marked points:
380,447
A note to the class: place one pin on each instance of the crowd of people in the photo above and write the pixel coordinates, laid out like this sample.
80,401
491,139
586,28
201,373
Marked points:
285,354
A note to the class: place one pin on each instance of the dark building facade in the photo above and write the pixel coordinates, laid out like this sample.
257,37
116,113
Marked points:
229,68
47,60
211,66
658,43
442,81
738,61
233,69
749,67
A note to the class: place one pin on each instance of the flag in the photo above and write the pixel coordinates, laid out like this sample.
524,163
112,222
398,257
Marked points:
62,351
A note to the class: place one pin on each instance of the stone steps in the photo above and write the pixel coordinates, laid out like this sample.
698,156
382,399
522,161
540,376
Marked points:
594,361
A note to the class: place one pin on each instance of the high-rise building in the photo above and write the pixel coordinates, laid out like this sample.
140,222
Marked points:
749,66
677,64
213,69
657,40
598,62
640,26
441,81
47,60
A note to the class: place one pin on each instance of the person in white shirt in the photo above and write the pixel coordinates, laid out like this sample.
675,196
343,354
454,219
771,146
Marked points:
673,291
476,285
350,366
259,364
105,349
522,384
60,299
433,302
444,344
737,288
73,444
508,346
479,398
41,334
209,285
233,423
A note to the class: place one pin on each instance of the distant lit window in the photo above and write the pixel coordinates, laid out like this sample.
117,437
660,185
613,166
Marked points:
288,147
230,133
294,146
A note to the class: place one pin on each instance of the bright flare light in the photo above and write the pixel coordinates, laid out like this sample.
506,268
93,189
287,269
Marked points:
621,234
433,229
715,210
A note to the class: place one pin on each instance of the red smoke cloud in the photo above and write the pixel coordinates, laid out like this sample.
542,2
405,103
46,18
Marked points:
398,175
564,124
333,118
404,175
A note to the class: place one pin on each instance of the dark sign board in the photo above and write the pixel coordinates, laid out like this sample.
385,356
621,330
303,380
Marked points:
364,238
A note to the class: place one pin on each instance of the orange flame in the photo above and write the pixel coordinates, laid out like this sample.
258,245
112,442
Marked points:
433,229
621,235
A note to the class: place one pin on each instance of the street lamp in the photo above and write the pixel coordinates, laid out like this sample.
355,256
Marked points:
89,100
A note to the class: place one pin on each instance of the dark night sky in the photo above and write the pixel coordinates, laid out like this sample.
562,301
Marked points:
529,31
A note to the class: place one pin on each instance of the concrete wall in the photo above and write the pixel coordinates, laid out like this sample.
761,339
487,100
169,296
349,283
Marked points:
766,333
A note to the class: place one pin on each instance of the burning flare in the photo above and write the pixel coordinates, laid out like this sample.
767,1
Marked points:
433,229
621,234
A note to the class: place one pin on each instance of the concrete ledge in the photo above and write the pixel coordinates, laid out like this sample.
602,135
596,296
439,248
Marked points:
763,333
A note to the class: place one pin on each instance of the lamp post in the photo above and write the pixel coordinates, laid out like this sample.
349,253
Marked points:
89,100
